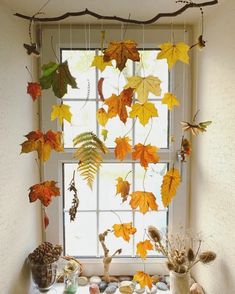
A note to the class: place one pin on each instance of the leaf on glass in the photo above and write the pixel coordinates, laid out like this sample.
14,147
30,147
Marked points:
144,200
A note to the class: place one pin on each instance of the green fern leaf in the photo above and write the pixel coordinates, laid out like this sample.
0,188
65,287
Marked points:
89,155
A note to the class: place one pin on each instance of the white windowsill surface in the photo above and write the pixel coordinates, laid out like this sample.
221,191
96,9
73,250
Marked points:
59,289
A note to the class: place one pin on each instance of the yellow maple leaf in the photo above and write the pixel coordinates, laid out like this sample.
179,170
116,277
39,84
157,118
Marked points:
99,62
143,86
143,200
142,248
170,100
102,116
124,231
143,279
123,188
122,147
104,133
62,112
144,112
174,52
121,51
146,153
170,183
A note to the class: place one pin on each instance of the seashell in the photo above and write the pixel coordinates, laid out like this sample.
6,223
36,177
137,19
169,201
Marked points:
196,289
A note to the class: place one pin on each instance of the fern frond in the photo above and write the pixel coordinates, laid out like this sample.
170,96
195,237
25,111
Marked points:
89,155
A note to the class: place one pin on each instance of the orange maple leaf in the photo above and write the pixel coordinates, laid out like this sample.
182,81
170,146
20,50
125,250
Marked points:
143,200
122,147
42,143
34,90
44,192
121,51
142,248
146,153
117,104
123,188
124,230
143,279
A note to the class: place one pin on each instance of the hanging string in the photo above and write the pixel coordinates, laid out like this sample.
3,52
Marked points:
59,36
122,31
143,48
172,32
70,35
89,37
184,81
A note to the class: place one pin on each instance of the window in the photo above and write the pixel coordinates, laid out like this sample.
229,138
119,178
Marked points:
80,237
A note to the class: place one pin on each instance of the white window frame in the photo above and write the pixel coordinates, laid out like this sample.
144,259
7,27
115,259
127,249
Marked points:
179,84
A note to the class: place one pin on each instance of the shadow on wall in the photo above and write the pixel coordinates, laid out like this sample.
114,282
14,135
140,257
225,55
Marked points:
228,286
22,281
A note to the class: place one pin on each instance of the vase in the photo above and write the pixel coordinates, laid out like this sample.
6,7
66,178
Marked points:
71,283
179,283
44,275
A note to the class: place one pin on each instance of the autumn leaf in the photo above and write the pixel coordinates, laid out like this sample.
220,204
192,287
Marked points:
195,129
121,51
170,100
46,220
117,104
104,133
144,112
34,90
174,52
170,183
143,86
143,279
146,153
142,248
62,112
100,89
44,192
123,188
124,231
122,147
58,77
99,62
102,116
143,200
42,143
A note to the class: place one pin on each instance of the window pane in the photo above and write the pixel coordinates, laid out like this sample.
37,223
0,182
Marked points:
153,180
108,200
87,197
157,219
83,120
151,66
107,220
159,133
80,67
81,235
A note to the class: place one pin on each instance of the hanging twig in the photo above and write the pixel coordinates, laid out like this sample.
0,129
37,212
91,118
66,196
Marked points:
75,202
118,18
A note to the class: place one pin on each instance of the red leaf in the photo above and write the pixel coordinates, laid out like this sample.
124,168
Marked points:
34,90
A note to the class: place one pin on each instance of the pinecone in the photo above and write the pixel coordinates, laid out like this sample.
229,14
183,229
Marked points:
45,253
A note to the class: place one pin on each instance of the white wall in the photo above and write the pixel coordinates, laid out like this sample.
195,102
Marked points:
213,168
20,221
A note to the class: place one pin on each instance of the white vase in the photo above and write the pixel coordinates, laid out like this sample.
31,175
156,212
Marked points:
179,283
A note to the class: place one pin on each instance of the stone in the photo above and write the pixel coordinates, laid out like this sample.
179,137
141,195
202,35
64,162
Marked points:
126,287
102,286
139,290
113,284
82,281
153,290
94,289
110,289
167,279
95,280
196,289
191,282
125,278
162,286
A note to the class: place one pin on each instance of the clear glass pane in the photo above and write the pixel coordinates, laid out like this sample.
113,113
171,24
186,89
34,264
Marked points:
81,235
80,67
114,80
149,65
107,220
83,120
159,133
153,180
87,197
157,219
108,200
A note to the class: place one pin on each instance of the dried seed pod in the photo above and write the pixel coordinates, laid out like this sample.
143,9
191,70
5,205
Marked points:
154,234
190,255
170,266
207,256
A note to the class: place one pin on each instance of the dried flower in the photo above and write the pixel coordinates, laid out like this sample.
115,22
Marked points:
170,266
207,256
154,234
190,255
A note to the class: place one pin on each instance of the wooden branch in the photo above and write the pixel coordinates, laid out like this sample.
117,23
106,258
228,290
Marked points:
118,18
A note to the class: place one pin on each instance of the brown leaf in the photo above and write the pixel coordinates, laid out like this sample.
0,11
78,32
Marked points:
146,153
